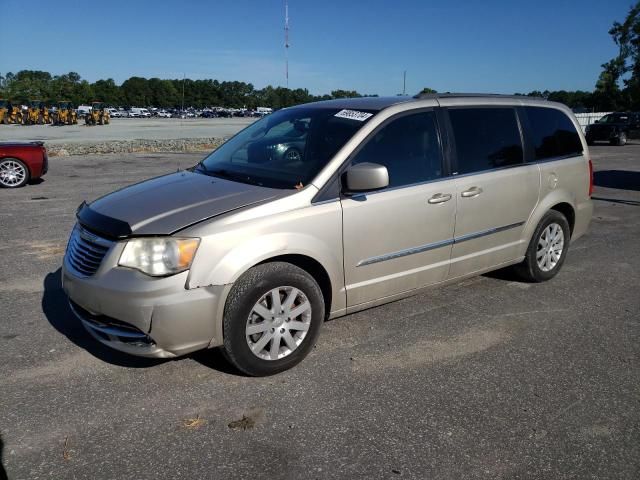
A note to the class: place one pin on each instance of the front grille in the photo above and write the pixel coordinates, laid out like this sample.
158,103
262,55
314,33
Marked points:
86,251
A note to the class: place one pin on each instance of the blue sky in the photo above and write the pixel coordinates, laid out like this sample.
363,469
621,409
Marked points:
482,46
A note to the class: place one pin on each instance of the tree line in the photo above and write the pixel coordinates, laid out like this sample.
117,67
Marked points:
27,85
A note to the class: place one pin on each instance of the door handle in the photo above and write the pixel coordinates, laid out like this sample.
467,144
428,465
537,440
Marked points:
472,192
440,198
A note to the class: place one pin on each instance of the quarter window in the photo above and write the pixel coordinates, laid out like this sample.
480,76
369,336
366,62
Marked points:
553,133
408,147
485,138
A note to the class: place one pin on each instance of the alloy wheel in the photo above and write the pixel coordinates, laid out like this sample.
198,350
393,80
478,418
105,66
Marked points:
278,323
550,246
12,173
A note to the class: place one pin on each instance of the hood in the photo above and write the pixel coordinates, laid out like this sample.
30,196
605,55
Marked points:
164,205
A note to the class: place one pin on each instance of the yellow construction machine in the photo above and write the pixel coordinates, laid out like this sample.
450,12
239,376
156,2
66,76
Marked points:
9,113
99,115
65,114
37,113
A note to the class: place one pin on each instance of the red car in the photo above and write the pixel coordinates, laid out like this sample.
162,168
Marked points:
22,162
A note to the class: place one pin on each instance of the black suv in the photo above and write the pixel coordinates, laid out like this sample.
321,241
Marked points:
615,128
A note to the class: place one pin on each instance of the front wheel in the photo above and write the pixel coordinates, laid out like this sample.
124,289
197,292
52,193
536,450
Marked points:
622,139
547,250
272,318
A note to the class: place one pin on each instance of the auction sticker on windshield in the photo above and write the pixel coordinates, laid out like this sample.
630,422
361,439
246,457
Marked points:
353,115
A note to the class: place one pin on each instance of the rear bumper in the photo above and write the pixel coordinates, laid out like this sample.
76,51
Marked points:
584,212
144,316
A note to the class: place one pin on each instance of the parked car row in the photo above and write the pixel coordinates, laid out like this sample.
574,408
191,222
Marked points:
63,113
214,112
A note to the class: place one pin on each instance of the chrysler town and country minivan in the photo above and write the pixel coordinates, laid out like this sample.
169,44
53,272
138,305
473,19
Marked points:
322,210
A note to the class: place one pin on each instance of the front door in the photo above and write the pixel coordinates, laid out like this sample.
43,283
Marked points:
399,238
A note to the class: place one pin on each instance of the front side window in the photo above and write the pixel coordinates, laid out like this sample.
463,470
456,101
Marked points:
553,133
286,149
485,138
615,118
408,147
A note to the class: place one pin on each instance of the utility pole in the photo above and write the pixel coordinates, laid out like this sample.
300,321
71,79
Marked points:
184,76
286,41
404,83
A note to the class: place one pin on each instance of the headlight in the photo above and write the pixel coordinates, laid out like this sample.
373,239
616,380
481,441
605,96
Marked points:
159,256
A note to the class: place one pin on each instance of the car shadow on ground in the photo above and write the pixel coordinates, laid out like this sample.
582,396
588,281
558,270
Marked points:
506,274
621,179
214,359
56,308
3,472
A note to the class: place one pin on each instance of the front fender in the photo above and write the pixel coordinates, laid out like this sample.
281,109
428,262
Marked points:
260,248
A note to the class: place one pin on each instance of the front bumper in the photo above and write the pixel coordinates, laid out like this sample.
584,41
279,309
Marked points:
140,315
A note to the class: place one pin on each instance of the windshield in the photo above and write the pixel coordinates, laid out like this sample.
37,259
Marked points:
615,118
286,149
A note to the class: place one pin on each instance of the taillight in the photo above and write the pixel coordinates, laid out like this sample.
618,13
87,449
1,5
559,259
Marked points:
590,177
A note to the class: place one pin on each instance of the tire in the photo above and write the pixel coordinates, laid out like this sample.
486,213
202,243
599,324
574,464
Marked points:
534,270
13,173
255,290
590,141
622,139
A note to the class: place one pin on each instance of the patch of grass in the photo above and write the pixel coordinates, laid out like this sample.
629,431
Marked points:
193,423
244,423
66,452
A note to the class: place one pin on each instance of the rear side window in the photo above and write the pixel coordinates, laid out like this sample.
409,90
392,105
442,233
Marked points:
485,138
553,133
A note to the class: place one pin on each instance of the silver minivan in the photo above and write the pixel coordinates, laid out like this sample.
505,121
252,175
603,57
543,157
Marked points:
322,210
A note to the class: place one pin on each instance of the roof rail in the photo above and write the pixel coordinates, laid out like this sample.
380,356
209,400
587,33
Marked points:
465,95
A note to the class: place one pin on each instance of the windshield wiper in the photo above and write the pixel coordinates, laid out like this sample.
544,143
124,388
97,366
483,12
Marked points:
229,175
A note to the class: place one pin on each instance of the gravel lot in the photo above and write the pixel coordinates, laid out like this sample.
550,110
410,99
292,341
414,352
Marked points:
127,129
489,378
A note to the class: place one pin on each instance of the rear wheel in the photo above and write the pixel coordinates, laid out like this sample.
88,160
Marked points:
547,250
13,173
272,318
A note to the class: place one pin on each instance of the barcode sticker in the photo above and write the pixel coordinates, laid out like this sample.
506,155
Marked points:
353,115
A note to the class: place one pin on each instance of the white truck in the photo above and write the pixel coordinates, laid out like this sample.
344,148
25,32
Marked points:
139,112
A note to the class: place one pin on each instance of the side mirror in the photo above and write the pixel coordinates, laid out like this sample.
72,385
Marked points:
597,121
365,177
